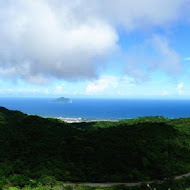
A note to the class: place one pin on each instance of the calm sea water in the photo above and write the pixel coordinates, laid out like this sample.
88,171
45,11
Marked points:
99,108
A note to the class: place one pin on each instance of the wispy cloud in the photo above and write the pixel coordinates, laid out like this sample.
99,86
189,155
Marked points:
168,59
153,54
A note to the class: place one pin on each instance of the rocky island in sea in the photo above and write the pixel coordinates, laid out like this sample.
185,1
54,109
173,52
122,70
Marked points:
63,100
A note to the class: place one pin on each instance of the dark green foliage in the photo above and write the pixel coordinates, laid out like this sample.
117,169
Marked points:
47,181
19,180
139,149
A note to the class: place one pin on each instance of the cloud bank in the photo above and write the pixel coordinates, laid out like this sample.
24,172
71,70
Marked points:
42,39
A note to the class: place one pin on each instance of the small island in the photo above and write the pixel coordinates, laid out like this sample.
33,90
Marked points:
63,100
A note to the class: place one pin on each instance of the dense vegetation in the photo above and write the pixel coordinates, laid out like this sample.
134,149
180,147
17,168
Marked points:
35,149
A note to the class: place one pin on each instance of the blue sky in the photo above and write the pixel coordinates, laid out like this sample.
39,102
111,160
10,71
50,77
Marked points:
95,49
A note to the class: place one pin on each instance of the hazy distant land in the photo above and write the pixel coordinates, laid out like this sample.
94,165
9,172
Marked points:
63,100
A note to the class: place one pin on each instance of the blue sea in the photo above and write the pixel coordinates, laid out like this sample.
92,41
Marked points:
99,109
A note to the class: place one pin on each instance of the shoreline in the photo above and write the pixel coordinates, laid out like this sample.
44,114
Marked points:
81,120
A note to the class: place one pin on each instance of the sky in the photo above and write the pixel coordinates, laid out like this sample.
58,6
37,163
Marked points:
95,49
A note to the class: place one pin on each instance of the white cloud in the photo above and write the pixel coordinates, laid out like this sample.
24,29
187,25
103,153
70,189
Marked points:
37,40
108,82
59,89
41,39
180,85
101,84
180,88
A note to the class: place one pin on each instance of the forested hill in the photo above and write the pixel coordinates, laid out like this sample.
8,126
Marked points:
139,149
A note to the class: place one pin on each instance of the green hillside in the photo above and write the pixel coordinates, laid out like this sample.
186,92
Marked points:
33,148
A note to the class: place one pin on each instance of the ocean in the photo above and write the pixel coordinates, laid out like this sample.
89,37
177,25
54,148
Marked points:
99,109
